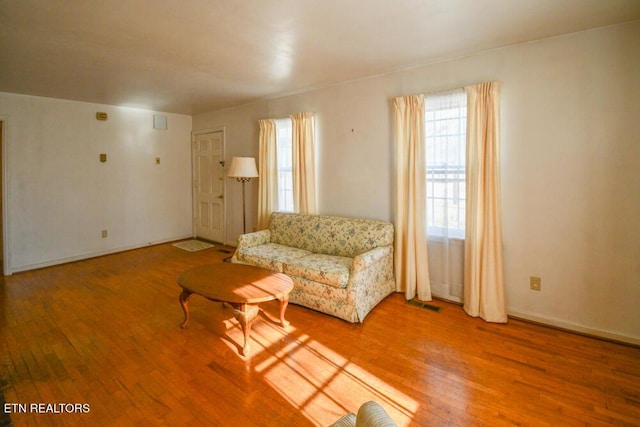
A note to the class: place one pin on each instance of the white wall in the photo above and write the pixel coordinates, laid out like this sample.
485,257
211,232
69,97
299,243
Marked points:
60,196
570,165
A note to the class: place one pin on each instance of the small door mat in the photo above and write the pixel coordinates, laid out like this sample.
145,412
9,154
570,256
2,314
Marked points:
193,245
424,305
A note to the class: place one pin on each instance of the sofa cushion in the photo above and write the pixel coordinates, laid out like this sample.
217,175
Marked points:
271,256
328,269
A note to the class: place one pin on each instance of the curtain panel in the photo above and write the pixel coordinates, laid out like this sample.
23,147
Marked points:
304,174
483,270
411,265
268,172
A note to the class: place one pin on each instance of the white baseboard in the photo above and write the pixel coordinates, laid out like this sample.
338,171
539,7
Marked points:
573,327
91,255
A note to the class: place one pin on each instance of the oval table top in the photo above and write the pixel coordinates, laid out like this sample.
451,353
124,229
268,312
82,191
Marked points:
235,283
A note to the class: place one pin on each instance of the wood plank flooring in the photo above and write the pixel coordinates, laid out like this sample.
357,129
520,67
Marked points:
105,332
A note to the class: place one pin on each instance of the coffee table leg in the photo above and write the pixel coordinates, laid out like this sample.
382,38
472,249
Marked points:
283,306
246,314
184,303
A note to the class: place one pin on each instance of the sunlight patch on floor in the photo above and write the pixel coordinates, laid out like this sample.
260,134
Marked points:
318,382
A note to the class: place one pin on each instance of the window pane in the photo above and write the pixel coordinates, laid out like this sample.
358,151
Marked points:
284,150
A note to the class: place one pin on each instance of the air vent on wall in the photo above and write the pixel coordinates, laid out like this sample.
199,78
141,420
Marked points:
159,122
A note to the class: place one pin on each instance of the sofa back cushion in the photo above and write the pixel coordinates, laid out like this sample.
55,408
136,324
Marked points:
330,235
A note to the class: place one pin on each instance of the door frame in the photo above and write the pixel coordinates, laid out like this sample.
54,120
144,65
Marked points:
194,134
6,255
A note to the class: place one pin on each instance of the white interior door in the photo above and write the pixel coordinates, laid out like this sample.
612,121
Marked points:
209,186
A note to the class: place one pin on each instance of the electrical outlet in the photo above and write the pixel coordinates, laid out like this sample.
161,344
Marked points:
535,283
104,234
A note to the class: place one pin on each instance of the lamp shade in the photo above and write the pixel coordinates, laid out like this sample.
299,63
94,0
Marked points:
243,167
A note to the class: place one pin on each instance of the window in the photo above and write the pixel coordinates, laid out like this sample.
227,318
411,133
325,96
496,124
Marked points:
284,149
445,142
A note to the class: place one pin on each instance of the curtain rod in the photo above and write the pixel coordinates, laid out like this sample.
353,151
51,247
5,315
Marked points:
458,89
288,116
444,91
437,92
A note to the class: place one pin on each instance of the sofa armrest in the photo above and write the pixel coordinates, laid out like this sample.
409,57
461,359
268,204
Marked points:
249,240
373,414
256,238
370,280
347,420
367,259
370,414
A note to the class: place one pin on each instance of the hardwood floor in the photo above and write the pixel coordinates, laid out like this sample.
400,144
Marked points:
105,332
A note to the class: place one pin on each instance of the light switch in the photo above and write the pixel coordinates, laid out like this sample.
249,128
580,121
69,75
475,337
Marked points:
103,158
157,160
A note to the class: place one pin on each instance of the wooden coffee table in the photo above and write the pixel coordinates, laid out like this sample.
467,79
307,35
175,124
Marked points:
241,286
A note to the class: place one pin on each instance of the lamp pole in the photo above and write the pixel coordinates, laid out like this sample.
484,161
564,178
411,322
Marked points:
243,169
244,215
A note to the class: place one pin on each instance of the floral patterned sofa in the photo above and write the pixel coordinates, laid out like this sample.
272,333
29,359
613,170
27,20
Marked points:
340,266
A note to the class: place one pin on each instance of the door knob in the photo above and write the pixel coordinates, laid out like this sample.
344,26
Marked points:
220,196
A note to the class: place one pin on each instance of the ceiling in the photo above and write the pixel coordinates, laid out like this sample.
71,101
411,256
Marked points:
193,56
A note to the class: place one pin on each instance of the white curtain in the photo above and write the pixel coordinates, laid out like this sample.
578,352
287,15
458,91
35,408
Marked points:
445,156
268,171
483,275
411,266
304,181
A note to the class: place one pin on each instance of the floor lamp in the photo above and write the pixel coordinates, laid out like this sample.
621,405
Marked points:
243,169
